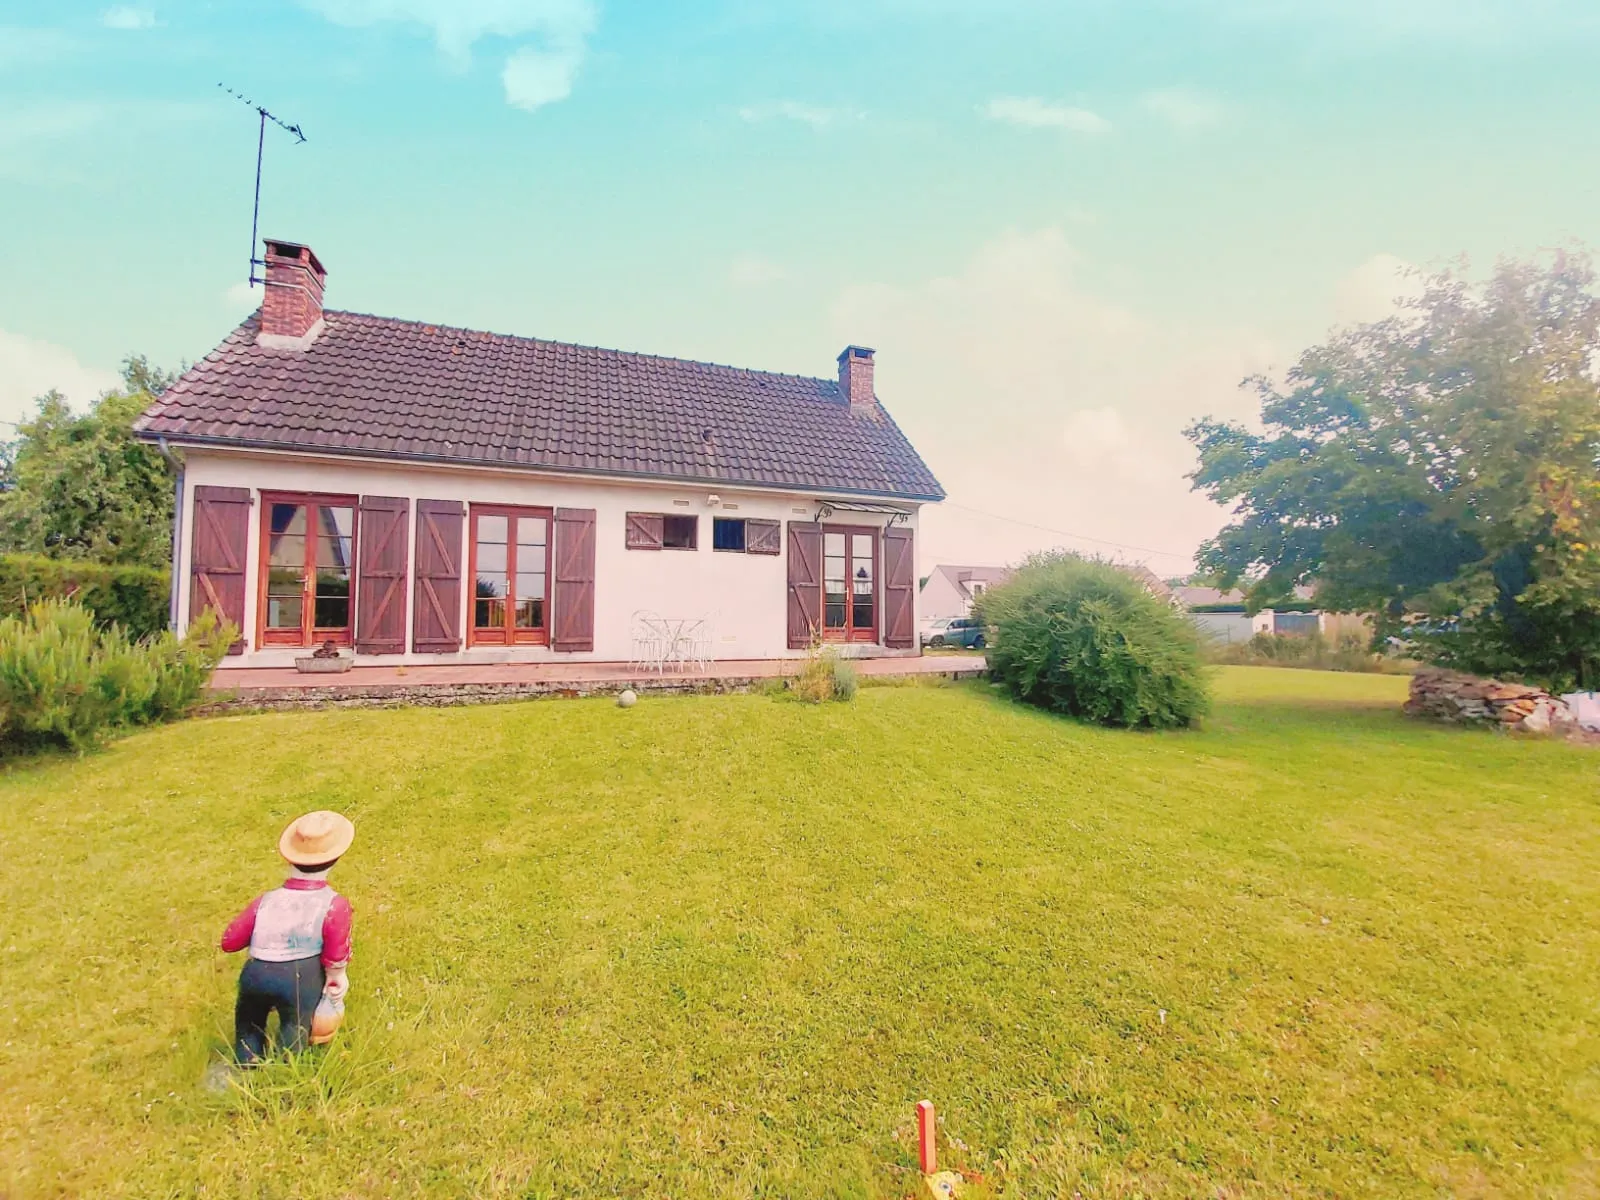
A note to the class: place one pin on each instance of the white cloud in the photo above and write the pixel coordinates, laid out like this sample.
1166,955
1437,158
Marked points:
813,115
751,270
124,17
1374,290
1038,399
534,77
241,298
537,73
1034,113
29,368
1182,108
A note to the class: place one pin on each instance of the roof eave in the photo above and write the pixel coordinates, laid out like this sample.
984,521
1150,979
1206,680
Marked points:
143,433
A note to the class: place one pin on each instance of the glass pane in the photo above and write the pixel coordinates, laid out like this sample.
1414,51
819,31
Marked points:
491,559
490,614
727,534
336,520
332,612
283,612
333,554
531,531
833,617
491,529
530,614
289,518
530,585
861,613
833,544
861,547
286,580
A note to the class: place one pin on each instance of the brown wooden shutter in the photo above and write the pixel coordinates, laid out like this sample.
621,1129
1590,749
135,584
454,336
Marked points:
381,560
572,616
899,589
805,583
763,537
436,605
218,553
646,531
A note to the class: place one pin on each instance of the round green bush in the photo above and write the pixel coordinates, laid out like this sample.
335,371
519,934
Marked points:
1083,637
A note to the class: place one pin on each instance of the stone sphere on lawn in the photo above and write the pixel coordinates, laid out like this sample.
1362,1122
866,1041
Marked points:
627,698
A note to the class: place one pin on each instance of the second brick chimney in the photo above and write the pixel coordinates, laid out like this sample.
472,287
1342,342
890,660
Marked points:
855,379
291,306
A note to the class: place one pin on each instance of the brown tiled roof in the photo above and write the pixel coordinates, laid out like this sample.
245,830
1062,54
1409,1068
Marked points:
382,388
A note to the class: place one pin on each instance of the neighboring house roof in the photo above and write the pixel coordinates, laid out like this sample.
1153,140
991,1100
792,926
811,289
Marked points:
1153,583
383,388
964,577
1197,597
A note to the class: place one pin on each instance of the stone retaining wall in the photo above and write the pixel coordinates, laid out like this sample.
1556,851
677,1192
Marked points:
1466,699
443,695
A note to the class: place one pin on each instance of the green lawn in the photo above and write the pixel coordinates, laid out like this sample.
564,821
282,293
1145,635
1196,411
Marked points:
721,946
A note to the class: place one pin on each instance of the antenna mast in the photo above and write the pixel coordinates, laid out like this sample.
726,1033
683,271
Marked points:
261,145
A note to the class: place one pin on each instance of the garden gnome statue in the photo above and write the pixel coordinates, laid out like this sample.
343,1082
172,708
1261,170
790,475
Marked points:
299,941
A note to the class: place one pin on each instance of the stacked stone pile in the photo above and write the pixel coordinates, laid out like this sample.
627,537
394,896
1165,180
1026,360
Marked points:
1466,699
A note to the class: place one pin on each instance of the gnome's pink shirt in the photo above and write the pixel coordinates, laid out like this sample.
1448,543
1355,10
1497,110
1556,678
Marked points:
283,924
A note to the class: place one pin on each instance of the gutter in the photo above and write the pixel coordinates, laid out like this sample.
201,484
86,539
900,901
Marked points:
177,532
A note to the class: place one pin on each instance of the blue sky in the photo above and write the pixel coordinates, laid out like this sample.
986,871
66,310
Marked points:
1067,227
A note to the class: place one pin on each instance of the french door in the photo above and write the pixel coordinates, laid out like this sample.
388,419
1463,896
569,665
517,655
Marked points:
849,583
308,569
510,576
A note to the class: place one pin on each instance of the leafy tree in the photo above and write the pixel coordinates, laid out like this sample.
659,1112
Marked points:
80,485
1438,468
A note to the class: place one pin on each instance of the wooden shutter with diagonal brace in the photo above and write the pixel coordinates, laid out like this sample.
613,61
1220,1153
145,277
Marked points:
382,558
572,604
805,583
899,589
436,603
217,555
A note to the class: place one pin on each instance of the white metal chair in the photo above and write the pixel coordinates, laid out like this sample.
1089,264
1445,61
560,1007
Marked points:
651,646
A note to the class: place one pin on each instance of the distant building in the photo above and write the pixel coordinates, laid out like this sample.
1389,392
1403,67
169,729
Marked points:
949,591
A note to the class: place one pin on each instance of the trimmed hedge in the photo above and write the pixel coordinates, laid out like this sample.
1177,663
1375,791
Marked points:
1083,637
133,597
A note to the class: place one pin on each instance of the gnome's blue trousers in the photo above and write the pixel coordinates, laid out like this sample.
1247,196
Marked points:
292,989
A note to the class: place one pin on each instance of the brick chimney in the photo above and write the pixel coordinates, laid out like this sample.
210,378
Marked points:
855,379
291,307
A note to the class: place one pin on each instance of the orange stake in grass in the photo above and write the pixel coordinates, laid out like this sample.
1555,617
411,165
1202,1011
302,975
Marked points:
927,1156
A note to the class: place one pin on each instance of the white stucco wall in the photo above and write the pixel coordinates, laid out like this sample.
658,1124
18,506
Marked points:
942,598
744,595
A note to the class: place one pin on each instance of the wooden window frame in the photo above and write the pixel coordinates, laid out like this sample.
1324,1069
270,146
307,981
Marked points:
308,635
661,541
849,633
509,634
694,523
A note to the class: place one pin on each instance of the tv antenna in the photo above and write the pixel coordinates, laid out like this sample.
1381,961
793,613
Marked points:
261,144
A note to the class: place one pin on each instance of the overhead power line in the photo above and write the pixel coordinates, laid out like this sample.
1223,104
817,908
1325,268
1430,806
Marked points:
1078,537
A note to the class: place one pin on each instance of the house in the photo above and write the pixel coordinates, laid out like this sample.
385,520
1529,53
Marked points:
418,493
949,591
1219,615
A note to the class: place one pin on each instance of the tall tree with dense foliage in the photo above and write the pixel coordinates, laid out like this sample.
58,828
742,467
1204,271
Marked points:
78,485
1438,468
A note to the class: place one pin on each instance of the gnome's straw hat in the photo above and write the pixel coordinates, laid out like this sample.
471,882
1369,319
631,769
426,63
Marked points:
316,838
